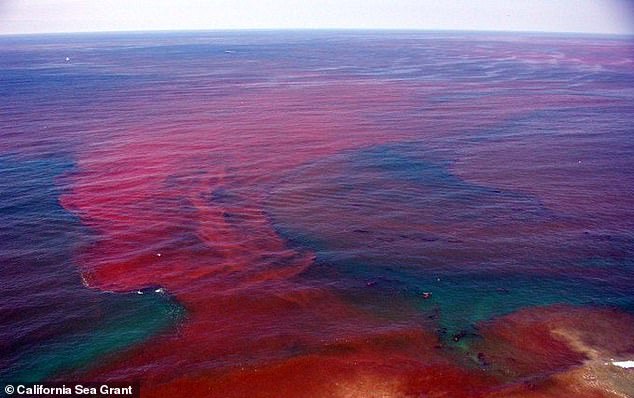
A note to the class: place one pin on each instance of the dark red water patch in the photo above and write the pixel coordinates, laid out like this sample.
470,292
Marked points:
558,351
539,342
387,364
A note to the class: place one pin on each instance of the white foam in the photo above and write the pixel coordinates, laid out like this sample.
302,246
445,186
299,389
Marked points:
160,290
624,364
139,292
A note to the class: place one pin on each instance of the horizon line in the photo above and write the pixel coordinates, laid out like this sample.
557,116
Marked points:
324,29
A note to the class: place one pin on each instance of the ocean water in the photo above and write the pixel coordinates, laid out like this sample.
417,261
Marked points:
318,213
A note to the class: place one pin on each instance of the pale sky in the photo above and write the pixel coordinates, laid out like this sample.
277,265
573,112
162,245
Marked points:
585,16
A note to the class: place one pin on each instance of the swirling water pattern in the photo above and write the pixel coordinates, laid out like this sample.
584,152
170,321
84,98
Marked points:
314,213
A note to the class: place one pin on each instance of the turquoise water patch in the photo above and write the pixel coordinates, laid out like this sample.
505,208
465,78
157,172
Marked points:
52,323
127,319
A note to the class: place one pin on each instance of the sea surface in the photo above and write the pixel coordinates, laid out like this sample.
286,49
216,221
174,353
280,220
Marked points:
319,213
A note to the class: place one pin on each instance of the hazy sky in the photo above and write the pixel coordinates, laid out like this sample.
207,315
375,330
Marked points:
597,16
